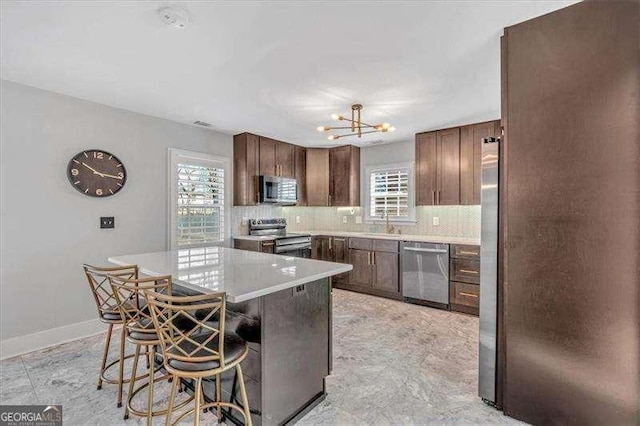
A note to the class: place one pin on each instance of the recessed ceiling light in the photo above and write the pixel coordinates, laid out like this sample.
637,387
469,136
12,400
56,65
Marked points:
174,16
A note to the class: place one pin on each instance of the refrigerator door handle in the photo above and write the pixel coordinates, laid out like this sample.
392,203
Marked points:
425,250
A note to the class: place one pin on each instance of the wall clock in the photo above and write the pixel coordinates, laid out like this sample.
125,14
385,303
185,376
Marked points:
96,173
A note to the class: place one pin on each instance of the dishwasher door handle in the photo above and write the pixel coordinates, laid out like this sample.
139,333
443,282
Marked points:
425,250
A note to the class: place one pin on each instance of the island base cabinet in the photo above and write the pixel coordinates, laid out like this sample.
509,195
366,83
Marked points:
289,335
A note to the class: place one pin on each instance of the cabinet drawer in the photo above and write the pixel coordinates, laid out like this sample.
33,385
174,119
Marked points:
386,245
465,270
469,252
465,294
360,243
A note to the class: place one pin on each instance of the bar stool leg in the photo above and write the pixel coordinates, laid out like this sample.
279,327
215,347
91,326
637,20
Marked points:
219,395
105,355
121,367
198,397
132,381
151,351
172,396
245,399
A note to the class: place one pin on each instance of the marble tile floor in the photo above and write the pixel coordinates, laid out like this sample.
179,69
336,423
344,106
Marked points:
394,364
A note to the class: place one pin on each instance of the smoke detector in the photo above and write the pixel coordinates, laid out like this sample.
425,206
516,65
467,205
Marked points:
202,123
174,16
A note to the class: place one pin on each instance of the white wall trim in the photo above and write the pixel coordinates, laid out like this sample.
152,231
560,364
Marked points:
51,337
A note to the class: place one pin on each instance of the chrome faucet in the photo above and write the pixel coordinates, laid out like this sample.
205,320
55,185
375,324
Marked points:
390,227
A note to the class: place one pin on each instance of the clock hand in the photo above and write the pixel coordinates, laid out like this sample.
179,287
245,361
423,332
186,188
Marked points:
95,172
111,176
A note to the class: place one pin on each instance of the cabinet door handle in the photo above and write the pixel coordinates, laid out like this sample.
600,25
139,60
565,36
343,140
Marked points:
330,244
467,271
340,239
368,258
462,293
373,255
439,197
267,244
433,198
329,198
472,253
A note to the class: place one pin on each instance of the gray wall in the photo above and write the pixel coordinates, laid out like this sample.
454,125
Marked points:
390,153
48,228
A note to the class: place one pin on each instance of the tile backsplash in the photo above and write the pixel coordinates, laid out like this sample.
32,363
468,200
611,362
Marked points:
454,221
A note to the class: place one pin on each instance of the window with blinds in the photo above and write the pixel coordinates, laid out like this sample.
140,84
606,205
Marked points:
200,204
390,193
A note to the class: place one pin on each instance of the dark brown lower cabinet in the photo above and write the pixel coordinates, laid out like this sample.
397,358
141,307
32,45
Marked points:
386,271
464,276
362,273
331,249
375,267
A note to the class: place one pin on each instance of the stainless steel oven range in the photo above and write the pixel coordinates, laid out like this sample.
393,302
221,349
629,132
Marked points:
285,243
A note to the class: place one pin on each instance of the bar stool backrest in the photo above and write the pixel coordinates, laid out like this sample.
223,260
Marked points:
132,302
198,343
98,278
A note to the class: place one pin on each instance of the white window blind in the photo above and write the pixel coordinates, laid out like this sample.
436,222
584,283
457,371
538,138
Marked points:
200,215
390,193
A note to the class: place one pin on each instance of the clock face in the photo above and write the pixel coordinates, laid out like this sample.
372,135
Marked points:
96,173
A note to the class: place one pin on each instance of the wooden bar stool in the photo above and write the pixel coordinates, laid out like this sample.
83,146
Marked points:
109,313
203,351
140,330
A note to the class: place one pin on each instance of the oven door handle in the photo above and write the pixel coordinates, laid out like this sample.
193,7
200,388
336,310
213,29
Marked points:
292,247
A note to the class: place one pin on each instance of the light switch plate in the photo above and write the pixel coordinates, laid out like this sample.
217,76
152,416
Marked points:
245,221
436,221
358,219
297,219
345,219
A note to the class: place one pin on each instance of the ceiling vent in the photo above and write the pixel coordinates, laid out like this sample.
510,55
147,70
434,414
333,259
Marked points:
202,123
378,142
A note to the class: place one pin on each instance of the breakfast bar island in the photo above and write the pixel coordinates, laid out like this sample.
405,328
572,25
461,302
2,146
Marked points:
281,305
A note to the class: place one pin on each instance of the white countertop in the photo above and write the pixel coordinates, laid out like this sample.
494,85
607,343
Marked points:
242,274
400,237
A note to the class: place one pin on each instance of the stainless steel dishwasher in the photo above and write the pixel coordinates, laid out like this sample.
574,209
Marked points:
425,273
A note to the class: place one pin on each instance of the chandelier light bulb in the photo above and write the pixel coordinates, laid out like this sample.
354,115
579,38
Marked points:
336,117
333,137
392,129
386,125
323,128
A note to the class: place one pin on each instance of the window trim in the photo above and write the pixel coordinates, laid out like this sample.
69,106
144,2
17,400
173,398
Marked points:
197,158
411,219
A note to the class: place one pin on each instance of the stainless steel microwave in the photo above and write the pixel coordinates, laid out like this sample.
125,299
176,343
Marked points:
278,190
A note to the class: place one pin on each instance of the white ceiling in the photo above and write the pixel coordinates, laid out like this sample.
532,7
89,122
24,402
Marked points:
274,68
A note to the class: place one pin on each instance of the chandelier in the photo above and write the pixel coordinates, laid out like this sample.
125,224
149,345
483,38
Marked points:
357,126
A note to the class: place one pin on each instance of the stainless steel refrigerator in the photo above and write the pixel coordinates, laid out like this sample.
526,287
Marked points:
488,361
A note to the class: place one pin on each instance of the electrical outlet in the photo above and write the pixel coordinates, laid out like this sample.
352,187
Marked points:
436,221
297,219
245,221
358,219
107,222
345,219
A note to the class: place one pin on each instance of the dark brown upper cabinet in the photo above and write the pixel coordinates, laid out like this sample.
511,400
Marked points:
471,158
333,176
344,174
276,158
300,166
448,164
426,169
317,177
448,155
246,166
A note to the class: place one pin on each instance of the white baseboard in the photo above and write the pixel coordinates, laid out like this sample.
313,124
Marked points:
51,337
